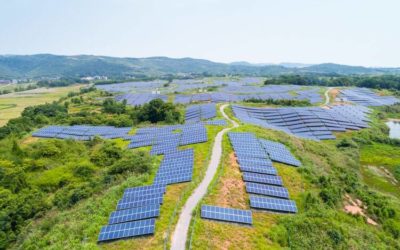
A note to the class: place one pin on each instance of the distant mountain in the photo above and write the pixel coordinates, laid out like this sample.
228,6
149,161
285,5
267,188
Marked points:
47,65
295,65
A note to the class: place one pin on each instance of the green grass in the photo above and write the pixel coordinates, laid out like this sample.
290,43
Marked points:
378,165
17,102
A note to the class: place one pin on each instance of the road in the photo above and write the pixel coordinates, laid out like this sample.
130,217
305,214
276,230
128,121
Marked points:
327,96
179,237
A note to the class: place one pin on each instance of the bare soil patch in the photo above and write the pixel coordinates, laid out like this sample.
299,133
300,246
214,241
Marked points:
356,207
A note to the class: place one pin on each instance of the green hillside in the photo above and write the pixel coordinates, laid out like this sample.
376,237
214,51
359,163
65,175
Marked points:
47,65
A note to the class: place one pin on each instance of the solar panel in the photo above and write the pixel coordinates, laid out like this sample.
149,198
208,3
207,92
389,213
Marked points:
133,214
273,204
262,178
278,152
260,170
268,190
143,190
140,197
132,203
226,214
128,229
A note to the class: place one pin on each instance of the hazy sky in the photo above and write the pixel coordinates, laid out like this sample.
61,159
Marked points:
355,32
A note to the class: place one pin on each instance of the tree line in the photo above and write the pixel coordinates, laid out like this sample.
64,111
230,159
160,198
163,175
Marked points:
391,82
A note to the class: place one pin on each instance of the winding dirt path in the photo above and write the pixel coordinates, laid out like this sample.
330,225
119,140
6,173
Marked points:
179,237
327,96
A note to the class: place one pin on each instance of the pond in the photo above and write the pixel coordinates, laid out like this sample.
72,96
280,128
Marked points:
394,127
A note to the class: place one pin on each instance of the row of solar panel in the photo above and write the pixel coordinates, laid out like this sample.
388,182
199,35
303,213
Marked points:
196,113
226,214
135,213
259,175
311,123
136,210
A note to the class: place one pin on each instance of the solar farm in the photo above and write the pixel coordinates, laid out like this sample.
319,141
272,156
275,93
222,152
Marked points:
264,185
365,97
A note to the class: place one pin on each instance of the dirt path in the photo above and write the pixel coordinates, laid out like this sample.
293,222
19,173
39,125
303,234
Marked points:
179,237
327,97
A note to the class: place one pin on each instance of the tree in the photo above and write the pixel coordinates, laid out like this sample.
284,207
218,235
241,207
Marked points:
157,110
113,107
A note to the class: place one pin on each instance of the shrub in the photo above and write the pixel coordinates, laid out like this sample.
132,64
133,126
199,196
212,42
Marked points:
137,162
397,172
346,143
393,227
84,170
106,155
70,195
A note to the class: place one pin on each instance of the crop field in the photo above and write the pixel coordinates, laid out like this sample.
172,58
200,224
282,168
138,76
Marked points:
11,105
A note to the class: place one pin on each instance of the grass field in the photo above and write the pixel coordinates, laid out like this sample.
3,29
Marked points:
11,105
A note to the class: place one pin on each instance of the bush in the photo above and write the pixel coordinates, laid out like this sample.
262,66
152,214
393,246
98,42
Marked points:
397,172
136,162
393,227
113,107
70,195
283,102
346,143
106,155
84,170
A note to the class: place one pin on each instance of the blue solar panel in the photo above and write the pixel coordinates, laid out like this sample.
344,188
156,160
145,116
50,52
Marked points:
133,214
226,214
140,197
273,204
278,152
261,170
143,190
128,229
262,178
133,202
268,190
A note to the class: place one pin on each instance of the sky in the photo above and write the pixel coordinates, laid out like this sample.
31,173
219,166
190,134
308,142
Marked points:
353,32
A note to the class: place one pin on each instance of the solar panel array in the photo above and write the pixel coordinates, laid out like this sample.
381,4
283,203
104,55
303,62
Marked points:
140,99
135,213
142,204
273,204
176,168
127,229
219,122
312,122
260,176
278,152
226,214
229,90
252,92
132,87
196,113
167,139
81,132
365,97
